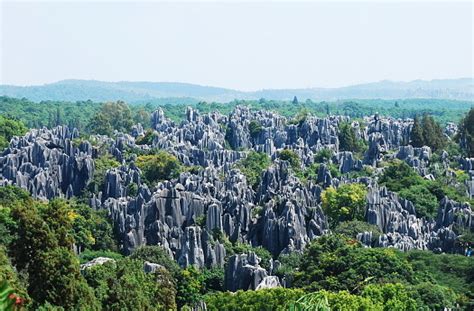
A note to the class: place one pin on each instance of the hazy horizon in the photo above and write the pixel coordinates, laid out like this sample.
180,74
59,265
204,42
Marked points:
240,46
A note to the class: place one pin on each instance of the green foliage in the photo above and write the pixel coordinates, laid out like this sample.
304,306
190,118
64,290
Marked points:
125,286
159,166
432,133
324,155
335,262
88,255
262,253
190,287
416,135
399,175
300,117
147,139
112,116
466,133
9,300
390,296
344,203
8,129
252,167
347,138
264,299
452,271
290,156
101,165
254,128
289,263
10,284
434,297
43,250
157,254
351,228
426,204
213,280
92,229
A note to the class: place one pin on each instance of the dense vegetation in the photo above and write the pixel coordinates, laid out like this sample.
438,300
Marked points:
83,113
42,244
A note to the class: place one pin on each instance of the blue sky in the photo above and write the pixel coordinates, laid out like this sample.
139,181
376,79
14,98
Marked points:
244,45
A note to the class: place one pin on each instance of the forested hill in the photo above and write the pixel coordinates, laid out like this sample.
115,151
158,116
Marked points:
73,90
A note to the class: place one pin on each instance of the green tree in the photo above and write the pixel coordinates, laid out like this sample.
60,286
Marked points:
432,133
123,285
254,128
252,167
112,116
335,262
390,296
290,156
353,227
426,204
156,254
347,138
416,135
399,175
43,250
347,202
159,166
8,129
466,133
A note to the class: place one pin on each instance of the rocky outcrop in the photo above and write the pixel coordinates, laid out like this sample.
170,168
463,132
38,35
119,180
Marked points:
244,272
47,163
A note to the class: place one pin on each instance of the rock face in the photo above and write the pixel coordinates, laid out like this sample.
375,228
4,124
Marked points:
47,163
95,262
396,218
193,216
244,272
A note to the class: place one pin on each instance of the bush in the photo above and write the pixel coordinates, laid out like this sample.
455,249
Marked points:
254,128
335,262
264,299
344,203
353,227
8,129
252,167
324,155
124,285
399,175
290,156
426,204
160,166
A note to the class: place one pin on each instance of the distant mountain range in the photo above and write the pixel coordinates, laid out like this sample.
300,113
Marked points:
78,90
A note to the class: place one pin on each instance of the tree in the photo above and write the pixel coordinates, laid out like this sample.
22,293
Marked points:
335,262
43,250
8,129
158,255
432,133
466,133
112,116
416,135
399,175
290,156
252,166
426,204
159,166
344,203
347,138
295,100
353,227
123,285
255,129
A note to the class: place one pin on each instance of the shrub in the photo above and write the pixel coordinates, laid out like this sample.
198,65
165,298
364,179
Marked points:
252,166
160,166
344,203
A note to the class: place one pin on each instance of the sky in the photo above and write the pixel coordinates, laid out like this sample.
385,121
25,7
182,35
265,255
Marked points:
240,45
